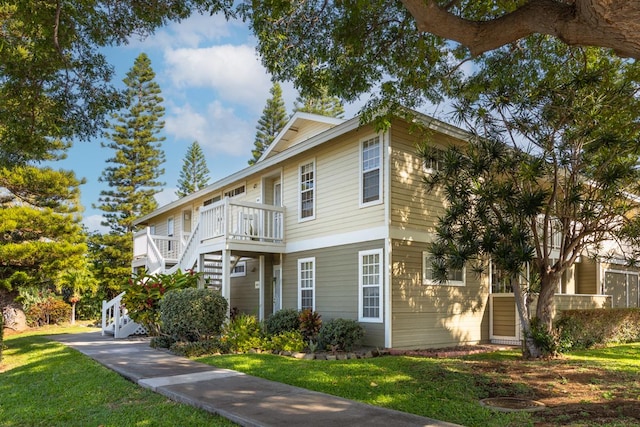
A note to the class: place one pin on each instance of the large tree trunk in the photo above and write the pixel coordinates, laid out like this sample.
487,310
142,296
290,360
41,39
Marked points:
529,348
611,24
545,306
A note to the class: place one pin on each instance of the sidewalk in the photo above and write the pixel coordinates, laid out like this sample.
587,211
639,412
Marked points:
244,399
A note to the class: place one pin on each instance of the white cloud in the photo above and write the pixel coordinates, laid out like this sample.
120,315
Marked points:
92,222
234,71
166,196
219,131
191,32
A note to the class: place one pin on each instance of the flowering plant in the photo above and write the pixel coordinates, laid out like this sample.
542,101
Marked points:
144,293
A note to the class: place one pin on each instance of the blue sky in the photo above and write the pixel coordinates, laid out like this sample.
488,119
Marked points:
214,89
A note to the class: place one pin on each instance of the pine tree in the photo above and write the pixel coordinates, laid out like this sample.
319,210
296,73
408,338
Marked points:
40,231
133,176
324,105
195,173
273,119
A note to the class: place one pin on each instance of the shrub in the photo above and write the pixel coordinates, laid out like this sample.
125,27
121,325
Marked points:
199,348
310,324
243,334
282,321
580,329
144,292
50,311
161,341
550,344
287,341
192,314
340,334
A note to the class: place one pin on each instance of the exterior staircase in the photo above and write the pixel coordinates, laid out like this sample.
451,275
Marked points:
116,321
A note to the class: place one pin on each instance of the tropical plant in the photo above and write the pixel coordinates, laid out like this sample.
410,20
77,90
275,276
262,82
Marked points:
144,293
243,333
310,324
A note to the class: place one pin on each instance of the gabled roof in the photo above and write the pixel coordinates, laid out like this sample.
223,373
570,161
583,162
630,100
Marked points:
295,132
286,146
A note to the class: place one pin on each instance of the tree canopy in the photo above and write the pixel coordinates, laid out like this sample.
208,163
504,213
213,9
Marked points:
138,155
550,171
273,119
320,103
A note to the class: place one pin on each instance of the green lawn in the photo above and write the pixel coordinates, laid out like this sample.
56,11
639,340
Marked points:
45,383
602,381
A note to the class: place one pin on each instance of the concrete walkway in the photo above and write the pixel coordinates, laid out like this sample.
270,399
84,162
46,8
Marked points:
244,399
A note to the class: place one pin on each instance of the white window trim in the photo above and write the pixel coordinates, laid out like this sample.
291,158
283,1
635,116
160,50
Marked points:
312,260
362,171
233,189
429,282
238,274
380,317
315,193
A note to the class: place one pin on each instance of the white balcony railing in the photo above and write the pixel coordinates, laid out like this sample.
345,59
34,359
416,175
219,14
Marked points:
242,221
227,220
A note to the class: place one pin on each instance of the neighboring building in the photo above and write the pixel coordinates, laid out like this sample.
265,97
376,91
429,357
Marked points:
335,217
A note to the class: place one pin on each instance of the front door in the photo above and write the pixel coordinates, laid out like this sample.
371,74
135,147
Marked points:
277,288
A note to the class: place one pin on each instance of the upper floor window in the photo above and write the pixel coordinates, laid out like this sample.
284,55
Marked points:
235,191
455,276
370,178
434,161
212,200
307,191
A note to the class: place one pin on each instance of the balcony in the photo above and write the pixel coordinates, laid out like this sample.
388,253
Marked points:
225,225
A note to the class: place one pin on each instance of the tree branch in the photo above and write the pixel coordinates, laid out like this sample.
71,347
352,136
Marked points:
611,24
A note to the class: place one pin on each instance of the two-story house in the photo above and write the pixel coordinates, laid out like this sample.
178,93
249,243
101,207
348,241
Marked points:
335,217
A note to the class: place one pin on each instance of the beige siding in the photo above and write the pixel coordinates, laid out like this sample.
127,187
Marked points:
337,191
412,204
437,315
336,285
244,295
504,316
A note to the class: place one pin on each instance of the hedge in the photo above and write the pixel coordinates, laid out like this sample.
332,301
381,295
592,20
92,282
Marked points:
192,314
580,329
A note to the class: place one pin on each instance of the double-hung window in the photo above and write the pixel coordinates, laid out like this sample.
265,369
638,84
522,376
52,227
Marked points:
370,173
306,283
455,276
307,191
370,289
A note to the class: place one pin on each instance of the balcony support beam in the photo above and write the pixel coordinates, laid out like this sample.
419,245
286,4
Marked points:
226,277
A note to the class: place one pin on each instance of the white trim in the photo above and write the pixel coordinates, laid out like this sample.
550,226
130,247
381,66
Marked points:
261,290
290,124
380,286
379,200
386,194
358,236
429,282
312,260
314,189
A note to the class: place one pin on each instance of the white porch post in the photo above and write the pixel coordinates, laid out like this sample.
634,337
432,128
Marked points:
261,289
201,282
226,279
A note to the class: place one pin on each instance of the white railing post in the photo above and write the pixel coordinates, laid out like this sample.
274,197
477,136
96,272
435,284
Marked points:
116,320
